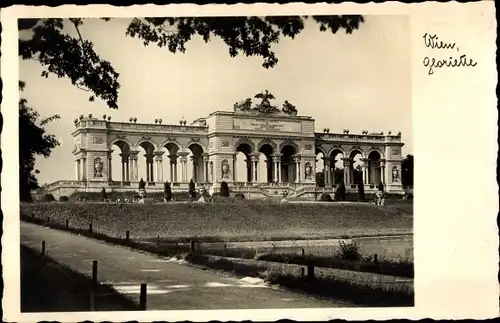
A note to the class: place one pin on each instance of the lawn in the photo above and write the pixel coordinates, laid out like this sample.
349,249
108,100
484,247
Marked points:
239,221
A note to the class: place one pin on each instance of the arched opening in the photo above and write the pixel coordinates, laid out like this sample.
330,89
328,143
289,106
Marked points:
337,166
195,163
146,166
287,164
170,162
118,168
244,162
374,169
266,163
320,167
356,167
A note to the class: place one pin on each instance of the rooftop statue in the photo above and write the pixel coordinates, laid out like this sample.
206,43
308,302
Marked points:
289,108
265,106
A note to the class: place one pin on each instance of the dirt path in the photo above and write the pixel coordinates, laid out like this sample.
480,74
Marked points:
171,285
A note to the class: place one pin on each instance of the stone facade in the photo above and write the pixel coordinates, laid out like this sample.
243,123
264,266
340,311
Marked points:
287,140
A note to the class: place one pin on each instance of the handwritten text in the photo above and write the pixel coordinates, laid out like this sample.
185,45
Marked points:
433,42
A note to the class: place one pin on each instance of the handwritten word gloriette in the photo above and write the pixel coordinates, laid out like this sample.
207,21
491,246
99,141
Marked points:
432,41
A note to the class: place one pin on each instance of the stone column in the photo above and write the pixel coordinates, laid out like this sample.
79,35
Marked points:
364,168
255,168
297,170
326,171
195,170
235,177
269,169
347,167
77,171
84,169
382,171
277,167
173,167
206,160
134,173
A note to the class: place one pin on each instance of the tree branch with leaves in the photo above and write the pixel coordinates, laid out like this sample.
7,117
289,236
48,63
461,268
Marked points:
75,58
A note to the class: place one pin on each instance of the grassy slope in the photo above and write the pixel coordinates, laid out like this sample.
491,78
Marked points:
47,286
237,221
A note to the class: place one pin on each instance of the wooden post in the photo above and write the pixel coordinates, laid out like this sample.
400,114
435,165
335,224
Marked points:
67,224
91,299
303,252
90,228
302,272
375,258
143,298
310,271
94,272
225,248
48,220
158,240
191,247
127,236
43,248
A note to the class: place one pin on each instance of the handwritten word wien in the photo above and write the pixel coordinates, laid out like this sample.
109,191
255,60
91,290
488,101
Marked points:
433,41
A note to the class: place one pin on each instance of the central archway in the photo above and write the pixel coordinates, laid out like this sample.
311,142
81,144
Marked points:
288,152
245,149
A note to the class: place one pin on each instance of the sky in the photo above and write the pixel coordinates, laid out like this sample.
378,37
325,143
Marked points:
360,81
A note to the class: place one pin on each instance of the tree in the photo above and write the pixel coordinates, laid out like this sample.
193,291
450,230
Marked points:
74,57
167,192
407,171
104,195
33,141
340,192
361,192
224,189
142,184
192,191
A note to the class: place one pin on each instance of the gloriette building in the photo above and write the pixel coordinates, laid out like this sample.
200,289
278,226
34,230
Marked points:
287,140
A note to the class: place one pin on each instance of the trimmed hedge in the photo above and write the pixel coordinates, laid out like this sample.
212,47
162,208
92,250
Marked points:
227,220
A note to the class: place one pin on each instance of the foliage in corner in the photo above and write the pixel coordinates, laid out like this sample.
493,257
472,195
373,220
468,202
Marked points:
75,58
33,141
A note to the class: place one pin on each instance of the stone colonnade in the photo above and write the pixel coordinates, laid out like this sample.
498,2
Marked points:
373,171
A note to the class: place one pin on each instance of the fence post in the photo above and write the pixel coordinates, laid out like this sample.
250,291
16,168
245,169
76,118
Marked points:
302,272
67,224
143,298
91,299
90,228
94,272
303,252
225,248
191,246
43,248
48,220
127,236
310,271
158,240
375,258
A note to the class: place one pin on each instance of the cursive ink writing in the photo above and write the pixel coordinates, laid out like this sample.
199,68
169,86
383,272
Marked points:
433,42
431,63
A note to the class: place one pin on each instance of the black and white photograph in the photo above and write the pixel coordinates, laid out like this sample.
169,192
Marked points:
215,162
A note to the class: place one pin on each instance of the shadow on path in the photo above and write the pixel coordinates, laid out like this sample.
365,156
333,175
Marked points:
47,286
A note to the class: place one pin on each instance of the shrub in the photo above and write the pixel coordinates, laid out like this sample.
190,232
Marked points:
340,192
361,192
167,192
224,189
380,186
349,251
63,198
48,198
192,191
142,184
104,195
325,197
239,196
